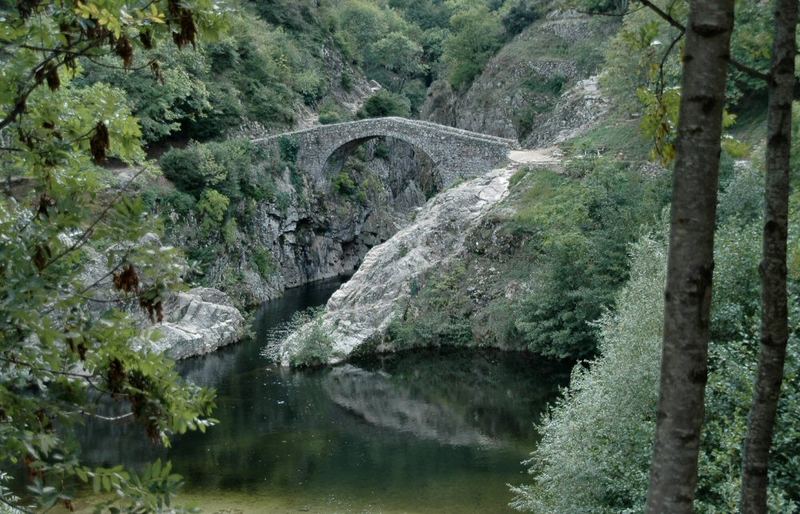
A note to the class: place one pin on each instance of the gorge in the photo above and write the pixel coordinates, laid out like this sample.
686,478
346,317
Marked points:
350,256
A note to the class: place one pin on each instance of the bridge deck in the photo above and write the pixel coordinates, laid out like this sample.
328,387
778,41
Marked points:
511,143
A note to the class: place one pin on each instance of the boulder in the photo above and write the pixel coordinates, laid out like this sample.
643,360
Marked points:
199,321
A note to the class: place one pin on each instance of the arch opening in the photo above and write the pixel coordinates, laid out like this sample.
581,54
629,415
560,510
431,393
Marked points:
373,187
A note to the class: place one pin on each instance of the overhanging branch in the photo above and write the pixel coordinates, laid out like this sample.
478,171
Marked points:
664,15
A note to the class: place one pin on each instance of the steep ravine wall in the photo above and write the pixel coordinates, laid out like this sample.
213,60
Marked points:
539,89
359,314
326,229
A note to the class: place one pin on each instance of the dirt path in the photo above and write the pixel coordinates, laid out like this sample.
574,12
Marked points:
535,156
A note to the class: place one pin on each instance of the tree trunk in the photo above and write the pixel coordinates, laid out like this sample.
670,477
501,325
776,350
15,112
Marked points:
673,472
774,309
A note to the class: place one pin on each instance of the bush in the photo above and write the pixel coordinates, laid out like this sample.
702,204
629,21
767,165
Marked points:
596,442
384,103
331,112
329,117
595,451
346,81
225,166
344,184
314,346
264,262
230,231
477,34
288,148
212,206
519,15
183,168
581,229
310,85
441,314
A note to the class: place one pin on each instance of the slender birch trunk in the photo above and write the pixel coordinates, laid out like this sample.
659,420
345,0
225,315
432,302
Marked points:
684,369
774,305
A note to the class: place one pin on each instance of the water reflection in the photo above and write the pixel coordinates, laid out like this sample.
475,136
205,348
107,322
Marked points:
422,432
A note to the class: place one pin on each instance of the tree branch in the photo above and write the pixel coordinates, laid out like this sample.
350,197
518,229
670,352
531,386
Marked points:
747,70
84,237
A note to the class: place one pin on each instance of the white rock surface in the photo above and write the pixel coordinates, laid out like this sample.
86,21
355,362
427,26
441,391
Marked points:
199,321
196,322
363,308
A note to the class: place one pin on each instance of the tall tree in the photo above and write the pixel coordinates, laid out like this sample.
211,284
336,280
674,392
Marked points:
774,317
684,367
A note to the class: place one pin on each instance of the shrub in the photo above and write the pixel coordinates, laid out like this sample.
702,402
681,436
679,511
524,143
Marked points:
183,168
346,81
344,184
230,232
477,34
385,103
596,441
224,166
440,313
595,451
519,15
331,112
329,117
212,206
581,229
310,85
289,148
264,262
381,150
314,346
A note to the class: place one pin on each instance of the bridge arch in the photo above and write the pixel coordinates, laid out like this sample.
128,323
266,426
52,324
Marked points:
456,154
339,156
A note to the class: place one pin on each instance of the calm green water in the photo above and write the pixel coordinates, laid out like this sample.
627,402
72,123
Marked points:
419,432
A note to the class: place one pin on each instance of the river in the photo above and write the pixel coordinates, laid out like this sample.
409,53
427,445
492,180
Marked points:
430,431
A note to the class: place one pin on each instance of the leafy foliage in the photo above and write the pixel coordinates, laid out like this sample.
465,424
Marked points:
539,278
314,345
477,34
229,180
67,356
595,451
385,103
582,230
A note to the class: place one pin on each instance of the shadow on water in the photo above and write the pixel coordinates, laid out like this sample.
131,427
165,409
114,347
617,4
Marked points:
428,431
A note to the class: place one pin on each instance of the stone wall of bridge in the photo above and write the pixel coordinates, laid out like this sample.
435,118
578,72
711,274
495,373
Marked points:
457,154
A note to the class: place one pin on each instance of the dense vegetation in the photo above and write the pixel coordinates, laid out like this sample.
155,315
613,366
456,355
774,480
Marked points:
282,63
72,347
596,448
565,247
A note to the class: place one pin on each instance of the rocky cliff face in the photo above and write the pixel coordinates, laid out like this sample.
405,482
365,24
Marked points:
360,312
325,230
196,322
533,89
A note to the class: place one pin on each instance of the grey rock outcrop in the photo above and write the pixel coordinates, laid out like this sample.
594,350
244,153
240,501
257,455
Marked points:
322,233
578,110
517,94
363,308
198,321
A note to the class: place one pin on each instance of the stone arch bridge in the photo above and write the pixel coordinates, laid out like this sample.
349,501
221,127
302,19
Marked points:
457,154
